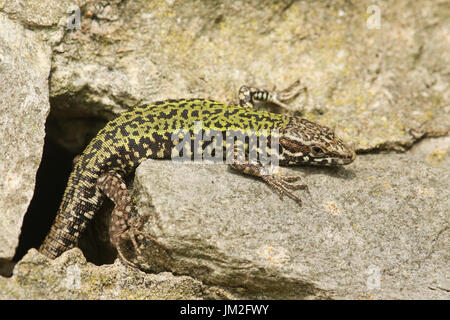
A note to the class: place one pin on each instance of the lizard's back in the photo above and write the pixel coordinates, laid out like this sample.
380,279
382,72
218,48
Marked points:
142,133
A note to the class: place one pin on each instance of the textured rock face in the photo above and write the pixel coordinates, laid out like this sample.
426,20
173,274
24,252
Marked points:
24,105
377,229
372,84
71,277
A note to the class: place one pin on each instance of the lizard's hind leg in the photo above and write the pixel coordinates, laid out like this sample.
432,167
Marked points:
122,225
248,95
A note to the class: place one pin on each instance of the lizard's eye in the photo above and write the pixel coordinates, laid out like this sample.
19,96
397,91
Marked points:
316,151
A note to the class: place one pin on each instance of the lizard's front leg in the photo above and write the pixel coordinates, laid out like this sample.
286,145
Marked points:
279,183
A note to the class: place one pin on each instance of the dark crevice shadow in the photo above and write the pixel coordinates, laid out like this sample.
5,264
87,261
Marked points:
51,181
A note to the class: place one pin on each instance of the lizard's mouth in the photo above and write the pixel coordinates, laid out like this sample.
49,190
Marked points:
341,159
324,161
349,159
353,157
345,156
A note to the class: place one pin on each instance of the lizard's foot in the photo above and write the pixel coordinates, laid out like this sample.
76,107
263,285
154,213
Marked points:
248,95
133,233
122,226
284,185
287,94
281,184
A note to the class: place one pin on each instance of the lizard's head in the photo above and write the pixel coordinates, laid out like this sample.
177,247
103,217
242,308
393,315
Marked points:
303,141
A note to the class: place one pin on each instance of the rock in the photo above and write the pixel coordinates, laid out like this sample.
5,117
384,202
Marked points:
374,85
43,14
71,277
24,72
376,229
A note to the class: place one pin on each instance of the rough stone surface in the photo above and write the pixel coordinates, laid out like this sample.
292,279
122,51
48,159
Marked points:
71,277
381,89
378,228
24,105
37,14
374,85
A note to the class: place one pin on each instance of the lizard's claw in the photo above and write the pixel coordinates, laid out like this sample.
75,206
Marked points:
132,233
287,94
284,185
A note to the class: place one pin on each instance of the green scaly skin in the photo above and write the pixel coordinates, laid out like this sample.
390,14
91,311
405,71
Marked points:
146,132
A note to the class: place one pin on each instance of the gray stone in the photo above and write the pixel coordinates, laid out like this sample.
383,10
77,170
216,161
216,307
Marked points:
38,14
383,218
71,277
374,85
375,229
24,72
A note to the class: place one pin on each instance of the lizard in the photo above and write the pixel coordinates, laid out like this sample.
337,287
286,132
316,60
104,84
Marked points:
147,132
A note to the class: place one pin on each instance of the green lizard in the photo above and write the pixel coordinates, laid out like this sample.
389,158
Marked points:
148,132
